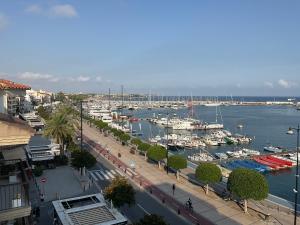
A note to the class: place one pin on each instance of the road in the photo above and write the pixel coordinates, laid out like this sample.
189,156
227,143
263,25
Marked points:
103,172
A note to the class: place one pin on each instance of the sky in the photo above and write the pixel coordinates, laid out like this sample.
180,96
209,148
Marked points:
167,47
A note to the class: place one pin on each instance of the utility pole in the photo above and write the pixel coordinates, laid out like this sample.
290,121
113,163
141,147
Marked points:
109,98
81,126
167,143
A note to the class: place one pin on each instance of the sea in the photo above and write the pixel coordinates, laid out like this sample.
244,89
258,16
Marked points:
266,124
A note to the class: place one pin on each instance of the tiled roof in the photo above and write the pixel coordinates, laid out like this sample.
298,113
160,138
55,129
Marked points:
7,84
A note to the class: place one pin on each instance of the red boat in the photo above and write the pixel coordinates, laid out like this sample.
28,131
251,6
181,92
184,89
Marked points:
282,161
269,164
133,119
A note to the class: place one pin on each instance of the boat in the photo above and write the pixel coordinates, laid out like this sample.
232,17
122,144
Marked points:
202,156
230,140
290,131
250,151
221,155
240,126
273,149
244,164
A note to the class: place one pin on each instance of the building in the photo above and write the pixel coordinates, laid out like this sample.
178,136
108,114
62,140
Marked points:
15,207
12,97
87,210
40,96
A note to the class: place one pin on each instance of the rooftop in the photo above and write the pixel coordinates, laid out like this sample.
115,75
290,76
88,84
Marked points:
87,210
8,85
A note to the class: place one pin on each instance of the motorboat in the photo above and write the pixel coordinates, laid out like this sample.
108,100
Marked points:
273,149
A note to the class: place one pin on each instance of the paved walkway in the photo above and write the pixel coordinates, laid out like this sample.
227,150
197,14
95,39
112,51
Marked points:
211,207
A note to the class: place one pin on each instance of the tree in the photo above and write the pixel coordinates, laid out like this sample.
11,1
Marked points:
208,173
157,153
248,184
124,138
100,124
120,192
136,141
82,159
177,162
151,219
143,146
60,96
62,126
43,112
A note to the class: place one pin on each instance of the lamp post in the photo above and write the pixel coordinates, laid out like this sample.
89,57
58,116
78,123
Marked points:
81,126
167,143
297,172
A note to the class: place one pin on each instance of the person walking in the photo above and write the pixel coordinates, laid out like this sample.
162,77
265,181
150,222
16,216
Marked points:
173,188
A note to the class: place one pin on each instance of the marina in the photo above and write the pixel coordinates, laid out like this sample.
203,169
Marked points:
244,126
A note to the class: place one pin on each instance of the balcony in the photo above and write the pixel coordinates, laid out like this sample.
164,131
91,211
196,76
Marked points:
14,191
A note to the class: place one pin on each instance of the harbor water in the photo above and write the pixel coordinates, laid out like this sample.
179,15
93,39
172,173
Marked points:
266,124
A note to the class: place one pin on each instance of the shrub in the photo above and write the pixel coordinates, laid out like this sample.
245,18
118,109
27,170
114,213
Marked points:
38,171
61,160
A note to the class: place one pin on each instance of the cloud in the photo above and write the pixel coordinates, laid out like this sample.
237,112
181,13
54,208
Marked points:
35,76
269,84
286,84
3,21
99,79
34,9
80,79
65,10
38,77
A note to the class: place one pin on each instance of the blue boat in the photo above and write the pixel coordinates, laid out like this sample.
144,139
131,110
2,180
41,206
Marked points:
266,168
250,166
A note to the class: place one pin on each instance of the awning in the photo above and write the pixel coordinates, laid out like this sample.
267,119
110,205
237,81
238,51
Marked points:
14,153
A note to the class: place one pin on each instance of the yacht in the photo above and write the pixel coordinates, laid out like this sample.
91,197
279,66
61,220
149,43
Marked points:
272,149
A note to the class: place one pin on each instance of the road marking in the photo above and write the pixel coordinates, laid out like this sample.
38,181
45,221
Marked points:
113,172
94,177
109,174
120,173
98,175
128,173
144,210
106,177
131,171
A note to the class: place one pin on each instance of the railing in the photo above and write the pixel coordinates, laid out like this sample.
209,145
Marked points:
13,196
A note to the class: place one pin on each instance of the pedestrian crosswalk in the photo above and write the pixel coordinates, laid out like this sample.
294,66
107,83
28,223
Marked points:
102,174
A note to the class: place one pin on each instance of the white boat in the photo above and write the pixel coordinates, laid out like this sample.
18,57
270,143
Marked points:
250,151
204,157
212,104
240,126
221,155
272,149
211,142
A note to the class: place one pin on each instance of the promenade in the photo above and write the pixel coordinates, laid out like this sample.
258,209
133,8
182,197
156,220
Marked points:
208,207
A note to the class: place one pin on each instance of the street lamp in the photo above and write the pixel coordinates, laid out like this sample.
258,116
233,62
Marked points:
297,171
167,143
81,126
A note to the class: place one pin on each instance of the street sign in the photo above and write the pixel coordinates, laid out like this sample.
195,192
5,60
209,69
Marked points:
43,180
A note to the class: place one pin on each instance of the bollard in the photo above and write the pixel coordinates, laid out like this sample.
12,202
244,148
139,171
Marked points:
140,183
163,200
178,211
150,190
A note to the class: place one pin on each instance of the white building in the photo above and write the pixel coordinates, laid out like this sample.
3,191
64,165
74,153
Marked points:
12,97
89,209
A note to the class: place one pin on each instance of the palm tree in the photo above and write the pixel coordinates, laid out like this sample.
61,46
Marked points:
62,126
